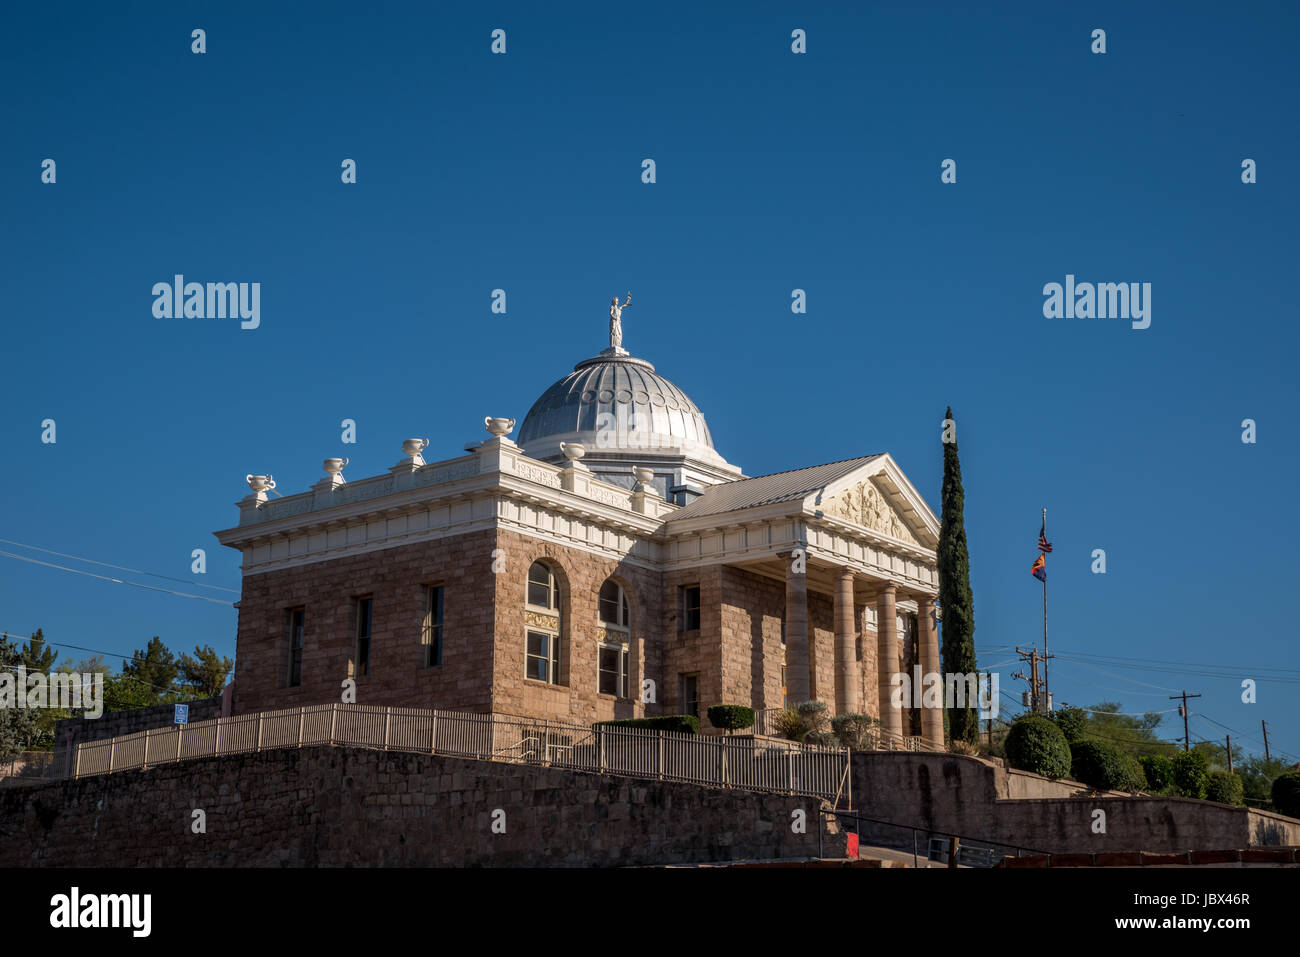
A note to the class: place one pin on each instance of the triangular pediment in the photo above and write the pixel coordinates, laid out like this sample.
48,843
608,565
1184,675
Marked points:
879,497
864,504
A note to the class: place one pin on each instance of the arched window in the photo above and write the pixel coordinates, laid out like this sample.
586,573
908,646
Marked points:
614,634
542,615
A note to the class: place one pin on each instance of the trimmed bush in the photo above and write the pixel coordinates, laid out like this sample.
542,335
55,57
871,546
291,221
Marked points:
1286,793
681,723
731,717
1036,744
1191,774
799,722
1101,765
1159,772
853,730
1225,788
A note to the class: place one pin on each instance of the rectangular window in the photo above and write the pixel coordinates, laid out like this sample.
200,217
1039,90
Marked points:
297,619
690,696
688,615
613,670
431,632
543,657
364,609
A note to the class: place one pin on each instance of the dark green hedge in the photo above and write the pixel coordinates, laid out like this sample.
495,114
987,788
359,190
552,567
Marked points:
731,717
1191,774
683,723
1286,793
1101,765
1036,744
1073,723
1225,788
1159,772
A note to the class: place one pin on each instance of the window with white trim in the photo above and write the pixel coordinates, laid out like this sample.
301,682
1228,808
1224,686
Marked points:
615,632
543,613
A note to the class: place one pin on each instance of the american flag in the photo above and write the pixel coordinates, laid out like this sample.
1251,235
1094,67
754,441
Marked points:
1044,545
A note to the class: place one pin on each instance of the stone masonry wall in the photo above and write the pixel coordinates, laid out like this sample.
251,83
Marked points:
983,802
336,807
753,609
581,575
698,651
395,578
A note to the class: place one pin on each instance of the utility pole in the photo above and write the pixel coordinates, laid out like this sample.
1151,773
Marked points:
1036,702
1265,729
1229,737
1182,709
1043,538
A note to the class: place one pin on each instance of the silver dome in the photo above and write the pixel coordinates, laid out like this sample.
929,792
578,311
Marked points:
605,397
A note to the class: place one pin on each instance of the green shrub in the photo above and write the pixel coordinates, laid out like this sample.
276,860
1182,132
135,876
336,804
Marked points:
1101,765
802,720
854,730
731,717
1225,788
1072,722
1159,772
1036,744
1286,793
1191,774
681,723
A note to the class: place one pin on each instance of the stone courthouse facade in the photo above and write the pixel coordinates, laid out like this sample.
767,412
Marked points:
610,563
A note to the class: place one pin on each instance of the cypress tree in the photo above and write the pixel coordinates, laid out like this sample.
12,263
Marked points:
958,607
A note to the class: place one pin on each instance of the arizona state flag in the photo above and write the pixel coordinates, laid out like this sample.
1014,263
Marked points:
1039,570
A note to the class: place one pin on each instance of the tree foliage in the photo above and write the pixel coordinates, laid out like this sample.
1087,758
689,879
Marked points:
1257,776
955,598
1225,788
1134,734
1286,793
19,727
1191,774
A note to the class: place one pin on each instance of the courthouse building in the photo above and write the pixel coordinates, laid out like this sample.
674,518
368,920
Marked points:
608,562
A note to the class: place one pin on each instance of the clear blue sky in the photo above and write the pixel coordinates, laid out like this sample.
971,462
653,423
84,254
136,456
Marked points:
775,171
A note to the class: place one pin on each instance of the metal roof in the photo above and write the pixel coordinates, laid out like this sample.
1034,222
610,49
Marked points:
768,489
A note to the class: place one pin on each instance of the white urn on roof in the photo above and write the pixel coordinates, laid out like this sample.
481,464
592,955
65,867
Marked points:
413,448
334,473
260,485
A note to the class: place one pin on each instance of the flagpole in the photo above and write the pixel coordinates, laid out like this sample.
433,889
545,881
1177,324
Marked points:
1046,658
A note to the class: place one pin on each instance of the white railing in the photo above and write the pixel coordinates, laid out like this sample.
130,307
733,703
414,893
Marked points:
720,761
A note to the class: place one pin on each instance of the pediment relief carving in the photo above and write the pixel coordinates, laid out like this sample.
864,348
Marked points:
863,504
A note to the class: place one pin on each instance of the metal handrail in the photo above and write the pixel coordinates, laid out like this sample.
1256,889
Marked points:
714,761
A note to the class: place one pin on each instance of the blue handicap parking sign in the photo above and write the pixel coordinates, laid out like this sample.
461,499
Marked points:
182,714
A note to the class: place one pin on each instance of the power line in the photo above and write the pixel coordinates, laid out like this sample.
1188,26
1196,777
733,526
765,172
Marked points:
1195,664
120,581
123,568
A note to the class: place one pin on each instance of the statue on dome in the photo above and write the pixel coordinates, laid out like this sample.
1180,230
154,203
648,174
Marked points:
616,322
